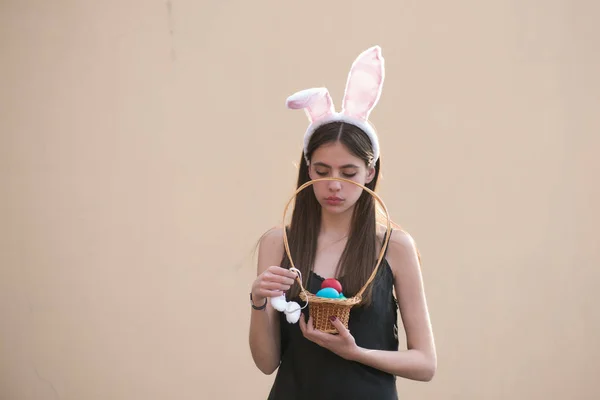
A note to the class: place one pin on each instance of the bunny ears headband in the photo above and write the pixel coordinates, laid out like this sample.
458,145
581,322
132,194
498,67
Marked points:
363,89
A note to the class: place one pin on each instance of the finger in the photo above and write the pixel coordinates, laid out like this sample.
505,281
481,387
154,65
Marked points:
308,326
274,286
305,328
339,326
316,335
282,271
269,293
311,326
302,324
274,277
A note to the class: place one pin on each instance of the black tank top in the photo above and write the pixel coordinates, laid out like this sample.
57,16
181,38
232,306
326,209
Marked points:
309,371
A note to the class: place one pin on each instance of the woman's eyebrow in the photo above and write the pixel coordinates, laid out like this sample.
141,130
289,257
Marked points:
322,164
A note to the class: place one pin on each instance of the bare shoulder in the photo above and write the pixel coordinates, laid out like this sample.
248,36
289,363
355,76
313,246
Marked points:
399,237
270,249
274,234
403,239
402,251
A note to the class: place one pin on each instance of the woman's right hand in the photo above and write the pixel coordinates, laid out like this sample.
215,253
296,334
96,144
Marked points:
273,282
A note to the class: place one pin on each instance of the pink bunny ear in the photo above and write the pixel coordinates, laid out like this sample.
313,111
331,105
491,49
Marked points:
364,84
316,102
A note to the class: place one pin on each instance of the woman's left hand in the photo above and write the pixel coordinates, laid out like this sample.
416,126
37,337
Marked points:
342,344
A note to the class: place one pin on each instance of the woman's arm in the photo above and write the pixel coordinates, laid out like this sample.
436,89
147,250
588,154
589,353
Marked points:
264,324
419,362
409,364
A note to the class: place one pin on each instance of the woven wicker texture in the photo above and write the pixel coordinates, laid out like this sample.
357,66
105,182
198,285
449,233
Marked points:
322,308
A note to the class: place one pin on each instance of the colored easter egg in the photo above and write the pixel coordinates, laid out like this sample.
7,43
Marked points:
329,293
332,283
342,297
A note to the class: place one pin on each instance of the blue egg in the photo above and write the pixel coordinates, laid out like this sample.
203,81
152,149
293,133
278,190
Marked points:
329,293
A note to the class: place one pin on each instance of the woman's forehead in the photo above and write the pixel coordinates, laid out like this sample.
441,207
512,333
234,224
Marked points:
335,155
343,166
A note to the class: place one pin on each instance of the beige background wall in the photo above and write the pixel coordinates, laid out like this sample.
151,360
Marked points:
144,147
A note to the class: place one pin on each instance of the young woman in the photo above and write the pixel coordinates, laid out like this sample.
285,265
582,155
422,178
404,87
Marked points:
334,233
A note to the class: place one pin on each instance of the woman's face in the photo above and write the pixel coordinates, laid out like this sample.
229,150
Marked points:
334,160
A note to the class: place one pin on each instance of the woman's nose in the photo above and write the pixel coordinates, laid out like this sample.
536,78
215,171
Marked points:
335,186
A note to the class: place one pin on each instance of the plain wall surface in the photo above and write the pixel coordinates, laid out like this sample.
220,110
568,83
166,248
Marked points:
145,147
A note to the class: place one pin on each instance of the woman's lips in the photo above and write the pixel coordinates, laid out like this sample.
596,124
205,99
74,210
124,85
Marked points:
333,201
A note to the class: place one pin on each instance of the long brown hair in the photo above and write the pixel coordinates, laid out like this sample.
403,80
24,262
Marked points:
360,254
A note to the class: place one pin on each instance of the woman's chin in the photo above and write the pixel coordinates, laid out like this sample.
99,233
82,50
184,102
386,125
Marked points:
334,209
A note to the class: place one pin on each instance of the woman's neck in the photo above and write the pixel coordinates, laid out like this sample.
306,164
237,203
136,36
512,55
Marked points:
336,225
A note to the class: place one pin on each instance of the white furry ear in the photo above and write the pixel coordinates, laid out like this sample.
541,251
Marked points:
292,312
316,102
279,303
364,84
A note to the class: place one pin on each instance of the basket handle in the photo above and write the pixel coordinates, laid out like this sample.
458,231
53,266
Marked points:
372,193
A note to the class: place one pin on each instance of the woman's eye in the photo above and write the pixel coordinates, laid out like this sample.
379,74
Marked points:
321,173
350,175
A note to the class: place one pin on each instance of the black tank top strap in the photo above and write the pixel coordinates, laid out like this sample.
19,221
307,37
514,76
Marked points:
384,239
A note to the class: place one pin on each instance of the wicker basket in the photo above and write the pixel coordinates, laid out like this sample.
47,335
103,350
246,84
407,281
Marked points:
321,308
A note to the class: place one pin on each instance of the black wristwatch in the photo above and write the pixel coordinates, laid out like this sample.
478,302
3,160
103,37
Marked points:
255,307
